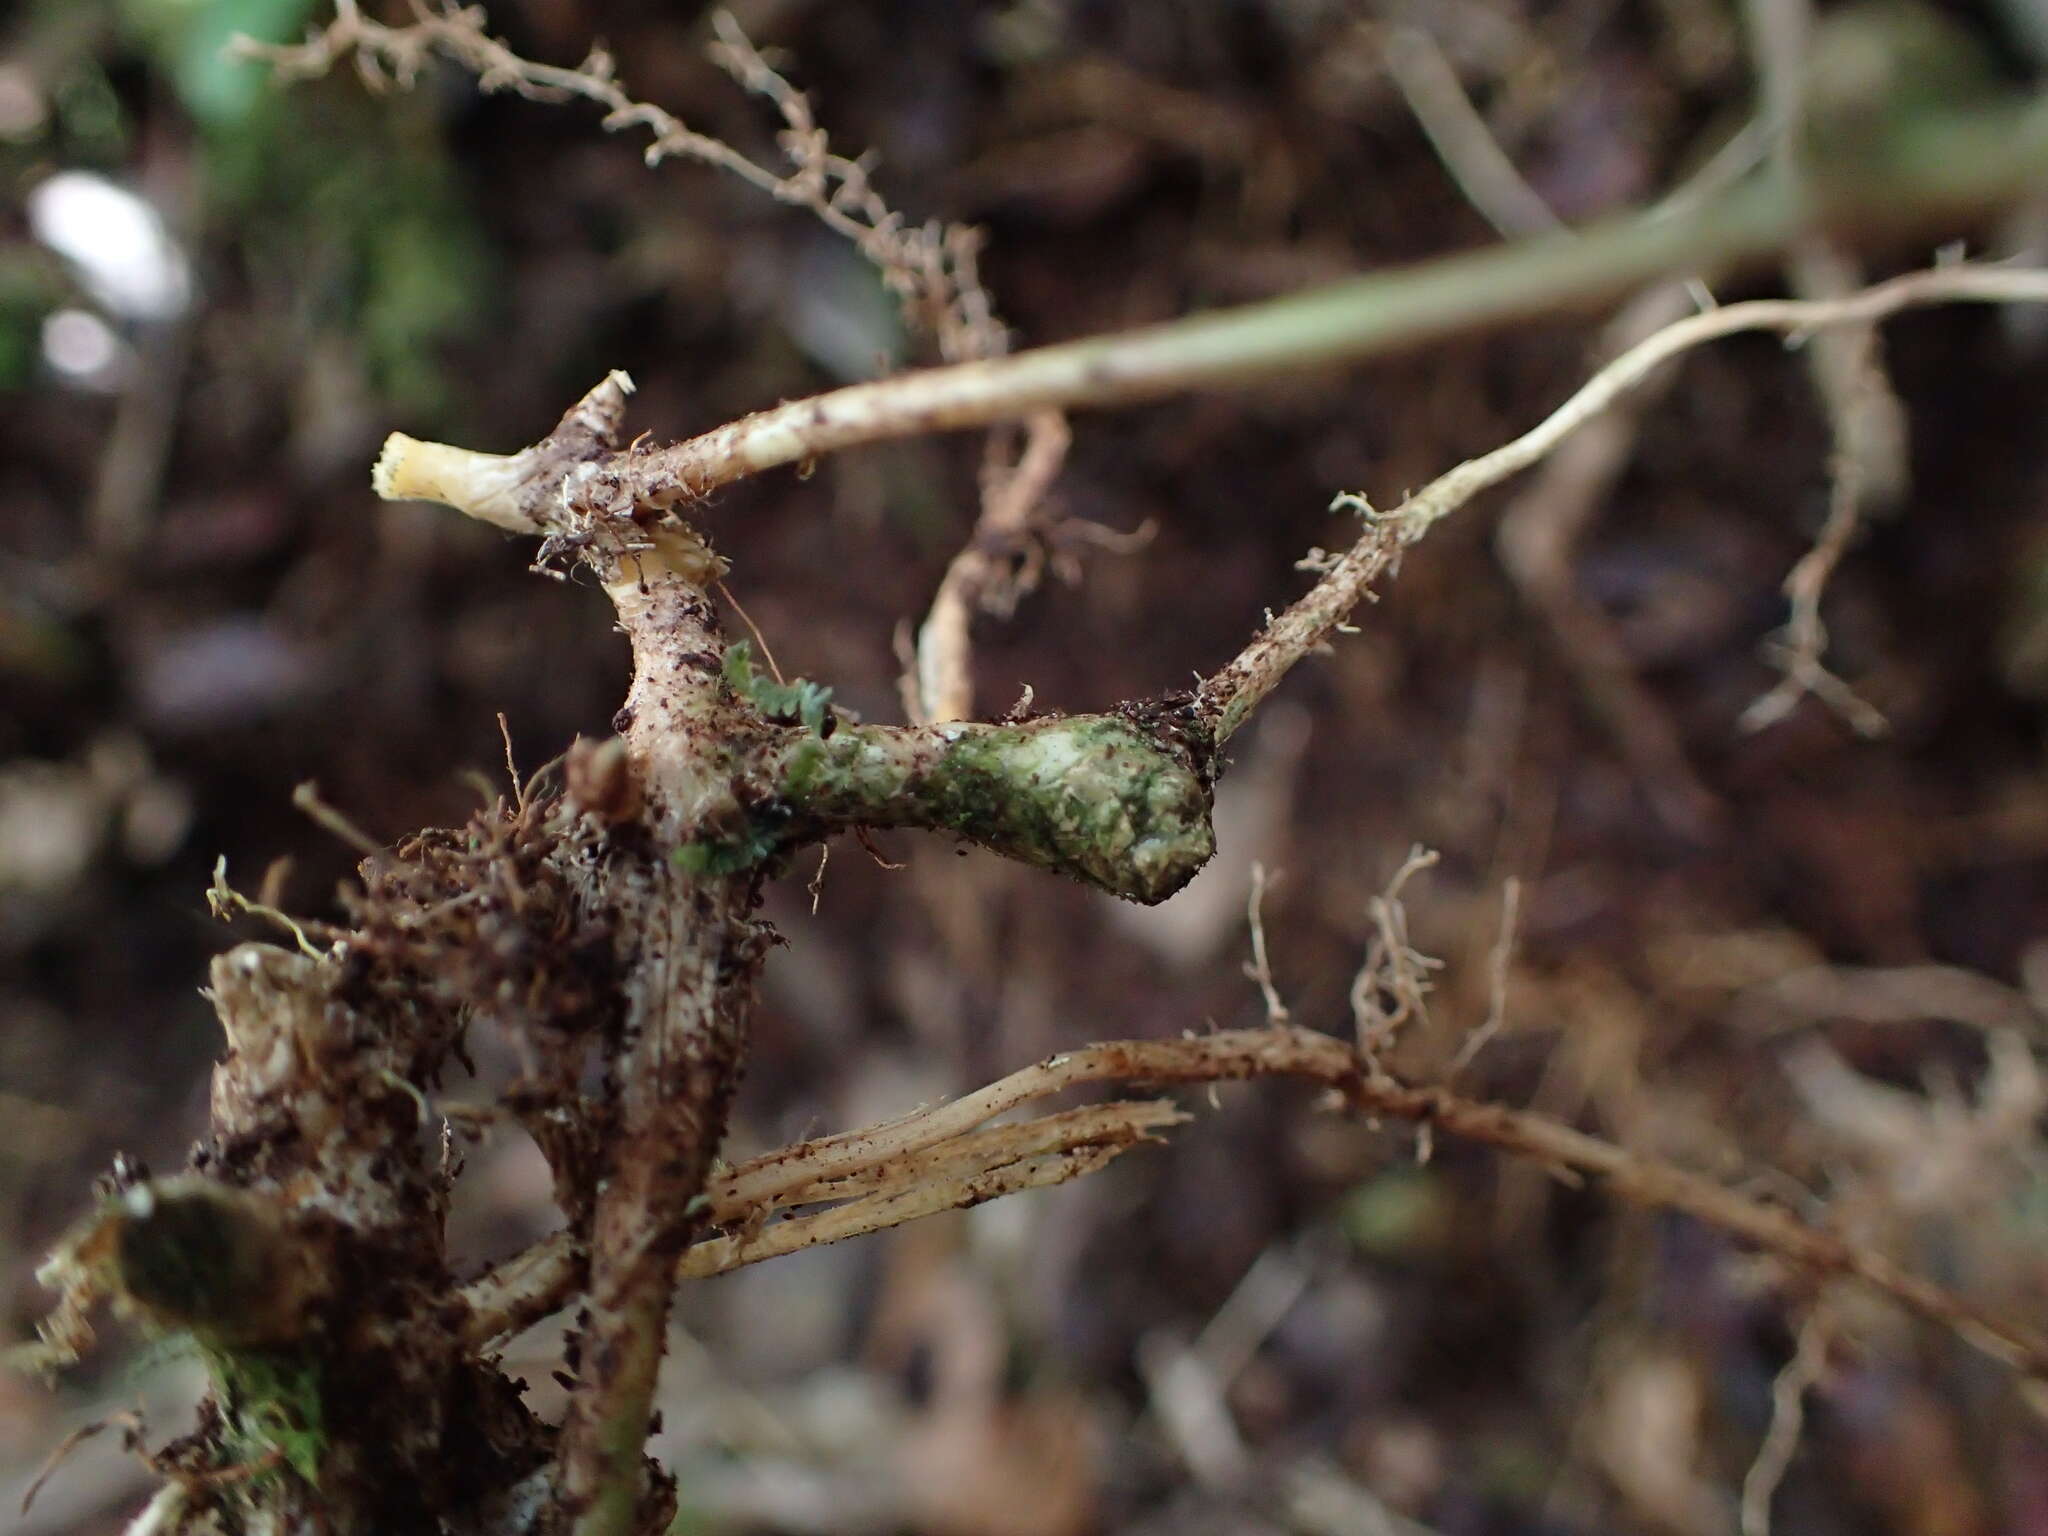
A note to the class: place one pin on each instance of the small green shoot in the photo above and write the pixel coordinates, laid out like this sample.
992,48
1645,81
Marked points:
800,702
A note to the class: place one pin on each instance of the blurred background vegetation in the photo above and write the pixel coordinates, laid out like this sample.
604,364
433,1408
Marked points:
1799,951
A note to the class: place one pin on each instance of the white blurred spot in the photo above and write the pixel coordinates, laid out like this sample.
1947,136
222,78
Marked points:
82,347
117,243
49,825
235,669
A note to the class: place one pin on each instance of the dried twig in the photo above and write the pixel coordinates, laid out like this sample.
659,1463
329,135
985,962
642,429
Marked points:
1539,535
1884,995
931,268
1239,1054
1459,135
928,1161
1978,160
132,1434
1798,649
1496,981
1788,1418
1260,969
891,1208
1864,414
942,685
1540,531
1236,690
306,798
991,1147
1938,1152
1392,985
1289,1051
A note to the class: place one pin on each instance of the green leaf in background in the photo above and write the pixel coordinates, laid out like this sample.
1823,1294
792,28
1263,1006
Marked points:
348,204
190,40
93,127
1396,1214
29,290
